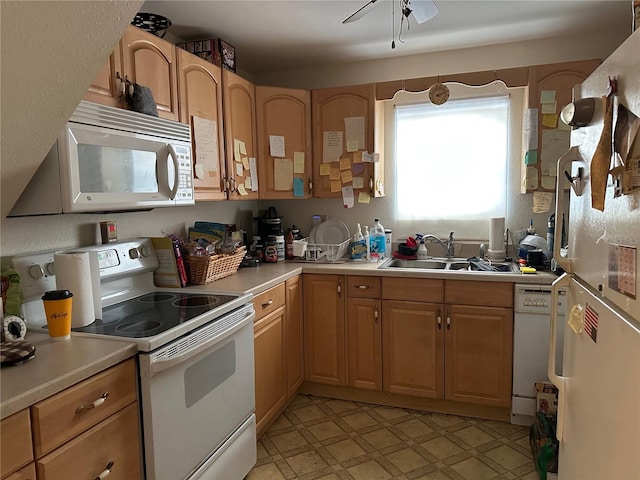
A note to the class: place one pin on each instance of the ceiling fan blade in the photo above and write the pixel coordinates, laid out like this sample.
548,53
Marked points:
361,12
423,10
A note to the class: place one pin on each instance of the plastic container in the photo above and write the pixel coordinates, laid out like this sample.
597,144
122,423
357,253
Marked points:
280,248
270,250
288,240
388,240
422,251
377,242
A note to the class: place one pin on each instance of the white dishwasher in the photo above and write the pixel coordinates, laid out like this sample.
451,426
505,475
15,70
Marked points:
531,346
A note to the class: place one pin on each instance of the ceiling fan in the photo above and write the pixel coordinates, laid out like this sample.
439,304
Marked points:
422,10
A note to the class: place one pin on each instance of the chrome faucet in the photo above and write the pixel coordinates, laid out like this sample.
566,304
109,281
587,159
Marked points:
449,245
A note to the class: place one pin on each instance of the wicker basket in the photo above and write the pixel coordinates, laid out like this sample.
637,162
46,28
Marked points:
204,270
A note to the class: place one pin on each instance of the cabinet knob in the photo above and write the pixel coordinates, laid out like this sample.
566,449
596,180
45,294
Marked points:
96,403
105,473
448,321
362,287
439,319
266,304
376,316
310,185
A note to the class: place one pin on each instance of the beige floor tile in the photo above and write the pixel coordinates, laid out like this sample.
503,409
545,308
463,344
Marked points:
437,475
445,420
325,430
406,460
265,472
306,462
345,450
370,470
441,447
531,476
473,436
308,413
288,441
261,451
390,413
359,420
507,457
414,428
381,438
281,422
340,406
474,469
331,476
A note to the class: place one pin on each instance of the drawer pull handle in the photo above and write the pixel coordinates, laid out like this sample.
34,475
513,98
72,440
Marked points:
105,473
363,287
97,403
266,304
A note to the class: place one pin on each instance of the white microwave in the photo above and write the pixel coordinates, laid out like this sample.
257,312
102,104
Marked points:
109,159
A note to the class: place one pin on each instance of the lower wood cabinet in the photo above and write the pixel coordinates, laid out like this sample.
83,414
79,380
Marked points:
16,448
364,344
278,350
25,473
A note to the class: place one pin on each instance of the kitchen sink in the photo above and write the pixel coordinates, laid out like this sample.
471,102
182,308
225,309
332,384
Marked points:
452,264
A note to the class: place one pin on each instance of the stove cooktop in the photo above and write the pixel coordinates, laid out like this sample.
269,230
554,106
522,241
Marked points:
153,313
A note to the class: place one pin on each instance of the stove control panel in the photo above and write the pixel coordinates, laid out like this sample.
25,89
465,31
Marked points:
124,258
536,299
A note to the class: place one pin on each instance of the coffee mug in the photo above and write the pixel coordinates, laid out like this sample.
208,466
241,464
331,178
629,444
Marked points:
57,307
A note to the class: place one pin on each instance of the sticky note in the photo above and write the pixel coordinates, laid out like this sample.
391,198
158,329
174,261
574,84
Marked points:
298,162
336,186
241,190
531,157
345,163
550,120
335,174
363,197
346,176
325,169
357,168
298,187
358,182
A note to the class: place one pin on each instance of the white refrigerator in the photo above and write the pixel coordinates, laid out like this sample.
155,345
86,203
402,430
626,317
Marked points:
598,423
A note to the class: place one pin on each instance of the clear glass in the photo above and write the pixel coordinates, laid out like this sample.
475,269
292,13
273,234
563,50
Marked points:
116,170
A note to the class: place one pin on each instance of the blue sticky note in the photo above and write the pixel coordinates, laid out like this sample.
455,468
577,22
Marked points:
298,187
531,157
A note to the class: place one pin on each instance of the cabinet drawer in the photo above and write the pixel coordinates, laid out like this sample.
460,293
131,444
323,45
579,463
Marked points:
61,416
413,289
363,287
268,301
26,473
15,442
116,440
483,294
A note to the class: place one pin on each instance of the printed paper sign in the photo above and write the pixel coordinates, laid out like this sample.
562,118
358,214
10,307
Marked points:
276,145
331,146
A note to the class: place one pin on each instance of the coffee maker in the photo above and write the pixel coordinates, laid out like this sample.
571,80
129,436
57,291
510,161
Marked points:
270,223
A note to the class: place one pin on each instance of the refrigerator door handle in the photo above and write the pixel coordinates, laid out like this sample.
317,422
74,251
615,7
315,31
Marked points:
559,381
564,162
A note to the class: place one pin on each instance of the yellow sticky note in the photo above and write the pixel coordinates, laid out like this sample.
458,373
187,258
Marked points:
345,164
357,157
550,120
335,173
325,169
363,197
245,163
241,190
336,186
298,162
346,176
243,147
352,145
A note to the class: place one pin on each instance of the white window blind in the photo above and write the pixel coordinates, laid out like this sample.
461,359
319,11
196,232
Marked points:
451,160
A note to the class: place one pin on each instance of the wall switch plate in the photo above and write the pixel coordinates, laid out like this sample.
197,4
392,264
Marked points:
315,219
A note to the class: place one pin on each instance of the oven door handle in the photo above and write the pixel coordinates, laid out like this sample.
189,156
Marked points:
169,359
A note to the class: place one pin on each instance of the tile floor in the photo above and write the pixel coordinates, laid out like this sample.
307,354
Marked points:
321,438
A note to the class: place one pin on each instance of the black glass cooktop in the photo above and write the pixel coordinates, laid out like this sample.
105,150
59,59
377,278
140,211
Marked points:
153,313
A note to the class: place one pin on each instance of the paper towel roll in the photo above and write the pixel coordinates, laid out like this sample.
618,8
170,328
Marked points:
73,273
496,239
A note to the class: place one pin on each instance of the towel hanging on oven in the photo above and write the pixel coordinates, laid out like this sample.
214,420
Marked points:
140,99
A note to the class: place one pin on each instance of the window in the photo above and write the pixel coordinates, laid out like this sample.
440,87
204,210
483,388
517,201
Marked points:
451,163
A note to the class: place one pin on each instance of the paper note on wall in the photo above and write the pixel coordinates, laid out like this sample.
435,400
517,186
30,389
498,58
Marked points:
345,163
283,174
531,129
357,168
298,162
364,197
345,176
550,120
276,145
347,197
325,169
253,171
336,186
334,173
549,107
354,128
548,182
243,148
547,96
205,138
239,169
531,180
245,163
531,157
247,183
241,190
236,150
370,157
331,146
542,201
357,182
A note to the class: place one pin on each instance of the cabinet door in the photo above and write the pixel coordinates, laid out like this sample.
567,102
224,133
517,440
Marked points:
412,348
151,62
294,335
283,112
364,344
270,371
479,354
26,473
331,106
106,89
115,439
239,96
324,329
200,87
15,442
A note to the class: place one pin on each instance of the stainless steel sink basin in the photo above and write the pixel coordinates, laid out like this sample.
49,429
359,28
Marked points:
452,264
422,264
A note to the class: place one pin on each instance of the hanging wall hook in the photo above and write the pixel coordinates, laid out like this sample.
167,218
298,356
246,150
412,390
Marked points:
576,182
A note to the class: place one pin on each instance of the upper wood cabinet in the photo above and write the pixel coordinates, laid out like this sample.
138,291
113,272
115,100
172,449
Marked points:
559,78
141,58
200,88
284,112
331,106
239,97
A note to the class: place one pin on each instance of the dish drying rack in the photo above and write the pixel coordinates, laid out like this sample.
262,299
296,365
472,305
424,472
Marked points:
321,252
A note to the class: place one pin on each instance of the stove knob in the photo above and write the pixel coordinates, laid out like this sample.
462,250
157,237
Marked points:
36,271
144,251
134,253
50,268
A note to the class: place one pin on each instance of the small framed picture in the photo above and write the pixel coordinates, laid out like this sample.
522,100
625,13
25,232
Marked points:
228,54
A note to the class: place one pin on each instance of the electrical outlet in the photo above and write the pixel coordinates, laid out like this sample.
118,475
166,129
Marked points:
315,219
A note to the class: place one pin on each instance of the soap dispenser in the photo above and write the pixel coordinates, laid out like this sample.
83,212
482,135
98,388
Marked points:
422,251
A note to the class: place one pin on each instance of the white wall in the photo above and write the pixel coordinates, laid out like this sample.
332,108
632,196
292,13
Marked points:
51,51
